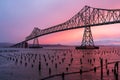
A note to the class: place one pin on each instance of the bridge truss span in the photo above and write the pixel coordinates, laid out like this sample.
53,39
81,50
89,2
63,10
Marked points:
87,16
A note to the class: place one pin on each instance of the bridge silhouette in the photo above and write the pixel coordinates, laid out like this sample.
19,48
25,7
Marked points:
86,18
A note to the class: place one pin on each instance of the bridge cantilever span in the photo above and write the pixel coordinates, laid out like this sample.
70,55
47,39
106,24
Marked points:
88,16
85,18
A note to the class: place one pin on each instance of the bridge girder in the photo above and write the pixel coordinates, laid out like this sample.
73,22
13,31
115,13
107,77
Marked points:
87,16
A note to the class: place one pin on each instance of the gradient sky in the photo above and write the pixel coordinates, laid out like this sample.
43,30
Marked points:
19,17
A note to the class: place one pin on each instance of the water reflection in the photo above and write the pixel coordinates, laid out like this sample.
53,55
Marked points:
65,64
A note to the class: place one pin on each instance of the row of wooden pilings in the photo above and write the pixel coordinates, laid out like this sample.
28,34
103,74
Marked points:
115,70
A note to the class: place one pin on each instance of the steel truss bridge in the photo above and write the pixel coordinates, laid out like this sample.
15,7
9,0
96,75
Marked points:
86,18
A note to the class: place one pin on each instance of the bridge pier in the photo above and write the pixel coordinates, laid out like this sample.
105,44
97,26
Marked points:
20,45
36,43
87,40
25,45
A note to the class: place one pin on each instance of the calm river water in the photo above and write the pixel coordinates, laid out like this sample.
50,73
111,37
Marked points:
60,64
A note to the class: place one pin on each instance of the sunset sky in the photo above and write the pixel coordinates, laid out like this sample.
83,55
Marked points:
19,17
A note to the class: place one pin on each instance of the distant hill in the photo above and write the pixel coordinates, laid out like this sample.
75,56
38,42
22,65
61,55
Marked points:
108,42
100,43
5,44
50,45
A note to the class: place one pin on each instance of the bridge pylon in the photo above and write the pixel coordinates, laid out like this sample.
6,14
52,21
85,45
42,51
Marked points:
25,44
87,40
35,43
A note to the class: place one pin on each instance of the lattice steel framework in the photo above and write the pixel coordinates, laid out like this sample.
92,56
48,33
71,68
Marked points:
87,40
87,16
35,41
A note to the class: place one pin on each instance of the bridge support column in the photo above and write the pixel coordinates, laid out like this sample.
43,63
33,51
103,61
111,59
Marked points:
36,43
25,45
22,45
87,41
